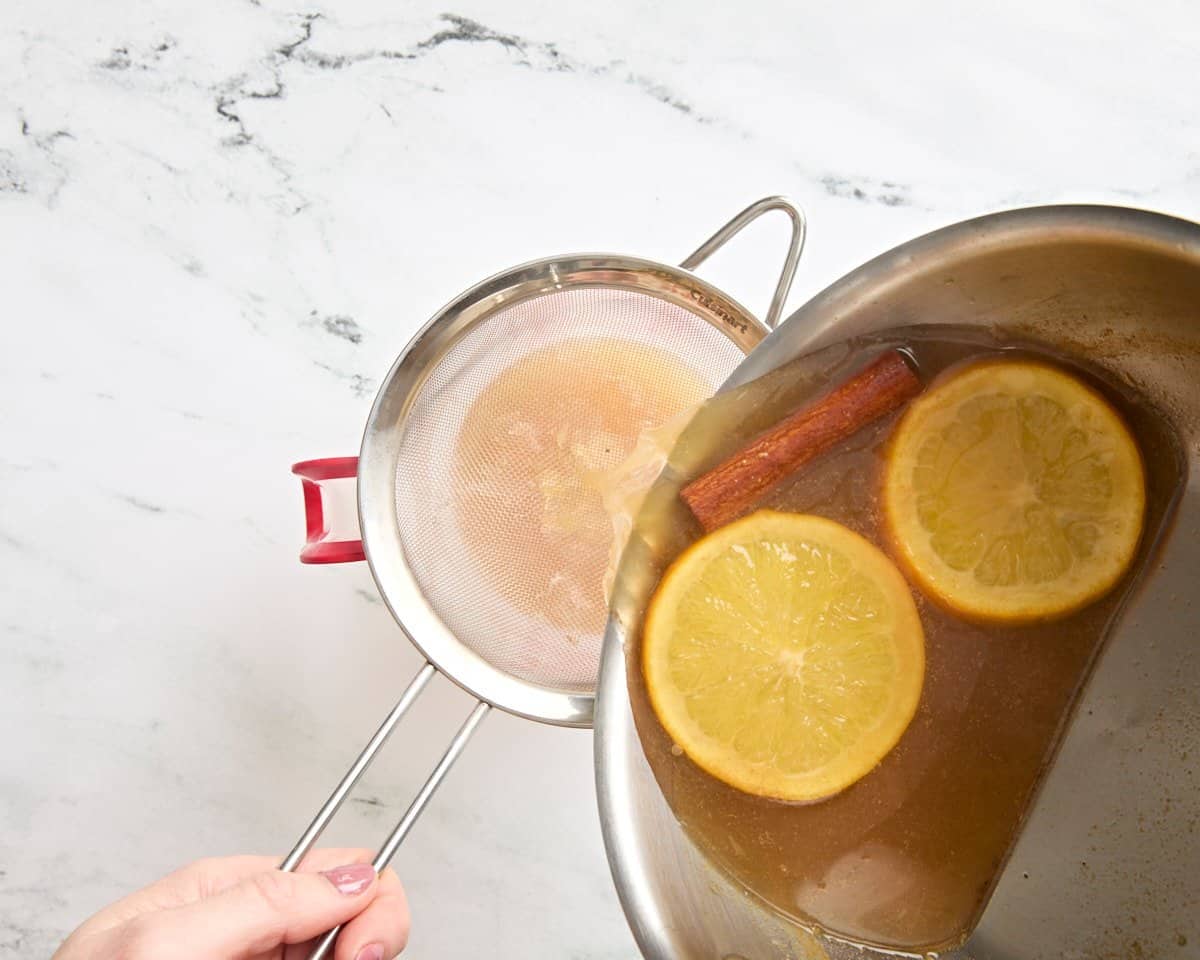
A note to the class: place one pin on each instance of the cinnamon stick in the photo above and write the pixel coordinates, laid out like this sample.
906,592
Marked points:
733,486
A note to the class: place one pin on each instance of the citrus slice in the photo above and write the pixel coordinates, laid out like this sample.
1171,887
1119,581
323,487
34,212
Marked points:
784,654
1013,492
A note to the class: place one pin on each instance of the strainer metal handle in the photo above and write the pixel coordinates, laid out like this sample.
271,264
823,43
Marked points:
358,768
737,224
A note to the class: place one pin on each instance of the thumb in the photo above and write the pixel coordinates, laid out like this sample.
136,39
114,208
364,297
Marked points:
263,912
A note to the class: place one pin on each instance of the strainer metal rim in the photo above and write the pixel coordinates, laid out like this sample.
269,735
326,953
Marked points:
382,439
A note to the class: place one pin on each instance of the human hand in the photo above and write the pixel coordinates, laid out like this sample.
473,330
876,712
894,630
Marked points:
244,908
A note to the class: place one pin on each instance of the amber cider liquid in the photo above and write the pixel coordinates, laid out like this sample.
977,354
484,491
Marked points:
906,858
531,458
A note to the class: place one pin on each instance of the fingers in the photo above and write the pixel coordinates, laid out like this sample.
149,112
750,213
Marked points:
214,875
207,878
384,924
196,881
258,913
238,907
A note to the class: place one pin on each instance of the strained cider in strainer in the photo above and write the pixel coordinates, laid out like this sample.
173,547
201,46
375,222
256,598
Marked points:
534,468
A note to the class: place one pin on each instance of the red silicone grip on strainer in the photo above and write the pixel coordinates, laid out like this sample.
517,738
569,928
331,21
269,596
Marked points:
312,474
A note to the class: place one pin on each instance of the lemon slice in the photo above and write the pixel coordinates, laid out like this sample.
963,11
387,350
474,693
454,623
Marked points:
1014,492
784,654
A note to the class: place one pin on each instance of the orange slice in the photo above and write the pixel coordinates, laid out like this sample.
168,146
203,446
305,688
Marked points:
1014,492
784,654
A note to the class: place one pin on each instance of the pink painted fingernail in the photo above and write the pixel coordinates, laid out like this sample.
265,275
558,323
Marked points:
351,879
372,951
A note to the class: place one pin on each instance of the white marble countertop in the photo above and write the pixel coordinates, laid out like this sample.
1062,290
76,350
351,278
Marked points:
219,223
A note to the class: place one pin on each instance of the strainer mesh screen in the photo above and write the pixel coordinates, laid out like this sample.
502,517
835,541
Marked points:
504,448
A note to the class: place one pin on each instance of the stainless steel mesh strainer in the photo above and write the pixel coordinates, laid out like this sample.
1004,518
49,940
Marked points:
533,353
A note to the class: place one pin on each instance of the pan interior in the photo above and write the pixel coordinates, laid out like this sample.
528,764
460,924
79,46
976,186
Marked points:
1105,855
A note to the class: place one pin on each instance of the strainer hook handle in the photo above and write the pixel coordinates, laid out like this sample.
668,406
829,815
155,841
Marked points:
735,225
317,548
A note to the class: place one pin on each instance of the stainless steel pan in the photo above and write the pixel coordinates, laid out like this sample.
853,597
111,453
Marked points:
1108,863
